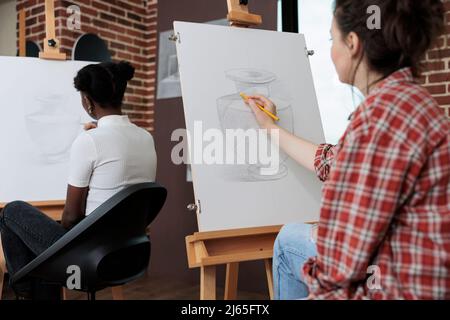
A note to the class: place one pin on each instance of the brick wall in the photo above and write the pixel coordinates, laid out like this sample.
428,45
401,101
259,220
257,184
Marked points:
129,28
436,77
130,31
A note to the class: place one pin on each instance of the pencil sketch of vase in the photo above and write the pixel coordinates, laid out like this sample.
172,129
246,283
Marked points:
52,126
170,85
235,114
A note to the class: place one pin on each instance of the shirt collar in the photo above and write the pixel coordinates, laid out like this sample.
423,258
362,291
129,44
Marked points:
399,76
114,120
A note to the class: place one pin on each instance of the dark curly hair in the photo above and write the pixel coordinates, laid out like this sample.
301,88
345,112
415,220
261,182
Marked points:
105,83
409,28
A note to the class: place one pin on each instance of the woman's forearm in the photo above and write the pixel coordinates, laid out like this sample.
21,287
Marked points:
302,151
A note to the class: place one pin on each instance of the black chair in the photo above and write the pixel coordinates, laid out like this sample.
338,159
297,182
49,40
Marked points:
110,246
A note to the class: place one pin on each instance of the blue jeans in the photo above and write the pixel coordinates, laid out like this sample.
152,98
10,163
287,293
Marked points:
293,247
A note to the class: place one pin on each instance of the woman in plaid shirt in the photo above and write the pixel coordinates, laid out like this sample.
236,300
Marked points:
384,230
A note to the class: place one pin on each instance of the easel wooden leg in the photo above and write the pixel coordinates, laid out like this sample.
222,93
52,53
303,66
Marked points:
231,281
269,274
117,293
63,294
208,283
22,34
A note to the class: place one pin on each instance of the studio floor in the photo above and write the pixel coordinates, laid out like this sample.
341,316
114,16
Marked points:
148,288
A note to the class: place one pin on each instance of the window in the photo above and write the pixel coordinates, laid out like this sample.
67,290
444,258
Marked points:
336,100
279,19
8,28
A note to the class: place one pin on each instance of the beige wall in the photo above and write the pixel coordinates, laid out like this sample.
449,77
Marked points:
8,21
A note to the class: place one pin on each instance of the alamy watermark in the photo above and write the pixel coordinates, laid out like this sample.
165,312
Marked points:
74,18
374,281
74,279
228,147
374,20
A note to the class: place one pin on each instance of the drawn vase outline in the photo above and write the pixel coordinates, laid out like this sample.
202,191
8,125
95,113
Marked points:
172,68
235,114
52,127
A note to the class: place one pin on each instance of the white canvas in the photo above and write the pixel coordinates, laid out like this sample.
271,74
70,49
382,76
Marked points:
41,115
212,62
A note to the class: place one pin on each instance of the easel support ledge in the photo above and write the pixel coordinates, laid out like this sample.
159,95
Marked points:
207,250
229,246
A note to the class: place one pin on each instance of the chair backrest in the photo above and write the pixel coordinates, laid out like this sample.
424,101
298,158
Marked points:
109,247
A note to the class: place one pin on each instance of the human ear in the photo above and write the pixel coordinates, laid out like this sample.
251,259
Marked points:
353,44
90,106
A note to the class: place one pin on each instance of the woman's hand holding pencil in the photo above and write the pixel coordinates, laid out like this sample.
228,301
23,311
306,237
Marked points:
264,109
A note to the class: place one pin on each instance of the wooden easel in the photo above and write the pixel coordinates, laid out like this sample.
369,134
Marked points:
51,43
22,34
238,14
207,250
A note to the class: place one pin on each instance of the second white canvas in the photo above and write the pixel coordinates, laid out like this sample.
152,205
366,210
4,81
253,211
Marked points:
216,64
41,115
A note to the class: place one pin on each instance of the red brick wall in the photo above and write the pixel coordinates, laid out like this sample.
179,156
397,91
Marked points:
129,29
437,67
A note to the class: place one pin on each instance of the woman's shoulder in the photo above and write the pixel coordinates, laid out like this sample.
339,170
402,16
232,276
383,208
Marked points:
402,112
130,134
142,132
405,105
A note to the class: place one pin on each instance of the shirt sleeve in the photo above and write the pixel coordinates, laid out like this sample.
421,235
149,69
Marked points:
360,199
83,155
323,161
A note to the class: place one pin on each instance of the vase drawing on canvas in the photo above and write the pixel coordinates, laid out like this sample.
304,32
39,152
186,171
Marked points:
52,127
234,113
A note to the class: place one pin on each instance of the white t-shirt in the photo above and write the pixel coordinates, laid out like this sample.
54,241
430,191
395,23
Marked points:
111,157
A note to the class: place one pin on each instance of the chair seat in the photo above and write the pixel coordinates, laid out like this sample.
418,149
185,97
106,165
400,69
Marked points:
110,246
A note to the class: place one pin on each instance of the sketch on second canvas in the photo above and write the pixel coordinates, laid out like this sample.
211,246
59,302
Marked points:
41,116
235,114
168,74
47,114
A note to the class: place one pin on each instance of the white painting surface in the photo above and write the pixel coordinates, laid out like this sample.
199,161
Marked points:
41,115
218,63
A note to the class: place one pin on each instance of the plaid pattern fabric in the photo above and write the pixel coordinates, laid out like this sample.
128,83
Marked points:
384,230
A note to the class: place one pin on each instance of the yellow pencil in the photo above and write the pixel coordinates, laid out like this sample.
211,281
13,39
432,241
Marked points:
270,114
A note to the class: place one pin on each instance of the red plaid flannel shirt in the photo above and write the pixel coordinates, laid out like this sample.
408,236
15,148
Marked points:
386,200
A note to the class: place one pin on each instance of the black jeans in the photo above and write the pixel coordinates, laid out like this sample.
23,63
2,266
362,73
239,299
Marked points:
26,232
